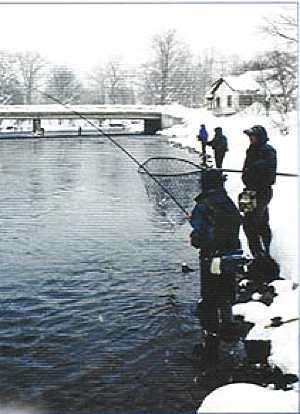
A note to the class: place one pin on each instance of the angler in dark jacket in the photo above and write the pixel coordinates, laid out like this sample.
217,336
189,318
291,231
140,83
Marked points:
216,223
259,174
219,145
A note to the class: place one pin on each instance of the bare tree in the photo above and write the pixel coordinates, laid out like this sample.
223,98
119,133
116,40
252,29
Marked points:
29,66
64,85
208,68
280,79
283,27
9,85
117,83
112,83
168,77
113,80
202,79
95,91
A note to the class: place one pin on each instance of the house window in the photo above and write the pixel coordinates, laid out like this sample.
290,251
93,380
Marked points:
218,102
245,100
229,101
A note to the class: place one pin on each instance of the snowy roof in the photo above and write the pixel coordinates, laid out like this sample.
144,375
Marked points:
249,81
245,82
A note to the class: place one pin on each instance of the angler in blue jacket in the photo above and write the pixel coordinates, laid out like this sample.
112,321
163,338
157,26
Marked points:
203,137
216,223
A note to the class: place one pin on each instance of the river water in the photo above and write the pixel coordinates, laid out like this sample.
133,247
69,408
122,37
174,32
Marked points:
95,313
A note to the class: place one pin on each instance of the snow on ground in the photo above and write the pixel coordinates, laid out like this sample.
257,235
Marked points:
285,348
284,248
254,312
284,338
284,205
134,126
249,398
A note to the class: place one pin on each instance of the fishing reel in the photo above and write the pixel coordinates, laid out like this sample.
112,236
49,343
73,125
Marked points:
247,201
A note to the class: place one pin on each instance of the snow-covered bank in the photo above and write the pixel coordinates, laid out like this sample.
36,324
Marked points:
284,248
72,125
249,398
246,397
284,338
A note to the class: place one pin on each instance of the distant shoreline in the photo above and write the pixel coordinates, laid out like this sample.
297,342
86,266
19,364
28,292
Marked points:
63,134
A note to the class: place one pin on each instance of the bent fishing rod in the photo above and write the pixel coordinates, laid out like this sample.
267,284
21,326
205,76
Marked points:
118,145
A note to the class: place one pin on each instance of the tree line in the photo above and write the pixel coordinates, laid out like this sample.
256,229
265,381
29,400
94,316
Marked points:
171,74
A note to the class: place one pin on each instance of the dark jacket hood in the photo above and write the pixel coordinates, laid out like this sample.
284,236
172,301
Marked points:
218,131
259,132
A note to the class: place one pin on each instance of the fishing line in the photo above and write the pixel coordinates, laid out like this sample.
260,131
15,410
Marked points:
118,146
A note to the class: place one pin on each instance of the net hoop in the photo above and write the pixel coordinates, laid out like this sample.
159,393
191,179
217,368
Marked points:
143,169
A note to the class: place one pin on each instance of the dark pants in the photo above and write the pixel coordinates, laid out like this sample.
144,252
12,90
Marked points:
256,224
218,295
203,148
219,157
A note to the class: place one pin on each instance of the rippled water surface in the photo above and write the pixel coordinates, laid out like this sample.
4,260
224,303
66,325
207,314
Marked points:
96,315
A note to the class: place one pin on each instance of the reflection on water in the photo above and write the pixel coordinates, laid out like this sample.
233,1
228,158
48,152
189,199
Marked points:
95,313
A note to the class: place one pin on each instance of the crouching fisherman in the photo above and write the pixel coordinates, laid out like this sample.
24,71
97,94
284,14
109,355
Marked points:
216,223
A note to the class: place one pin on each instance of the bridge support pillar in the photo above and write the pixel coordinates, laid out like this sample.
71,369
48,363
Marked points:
151,126
36,125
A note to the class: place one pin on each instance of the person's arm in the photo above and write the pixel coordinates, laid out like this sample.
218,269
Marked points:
200,234
211,143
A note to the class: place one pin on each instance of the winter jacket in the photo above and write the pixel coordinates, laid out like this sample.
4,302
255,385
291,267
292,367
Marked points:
259,170
203,134
216,223
219,143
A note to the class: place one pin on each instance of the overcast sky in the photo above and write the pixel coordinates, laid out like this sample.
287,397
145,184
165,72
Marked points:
83,35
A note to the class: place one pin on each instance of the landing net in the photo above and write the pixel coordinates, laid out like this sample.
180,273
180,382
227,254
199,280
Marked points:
180,177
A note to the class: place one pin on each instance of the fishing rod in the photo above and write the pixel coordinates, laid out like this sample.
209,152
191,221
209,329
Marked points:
280,323
118,145
240,171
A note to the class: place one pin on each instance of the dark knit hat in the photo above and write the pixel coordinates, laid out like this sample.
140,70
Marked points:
212,179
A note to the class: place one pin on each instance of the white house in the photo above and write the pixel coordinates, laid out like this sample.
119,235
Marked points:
231,94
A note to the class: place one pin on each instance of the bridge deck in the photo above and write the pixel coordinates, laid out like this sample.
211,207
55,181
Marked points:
72,111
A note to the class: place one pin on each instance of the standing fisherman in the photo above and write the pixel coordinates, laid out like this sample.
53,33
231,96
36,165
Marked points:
216,223
219,145
259,174
203,136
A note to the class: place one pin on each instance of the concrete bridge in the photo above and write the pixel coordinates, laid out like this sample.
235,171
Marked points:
153,116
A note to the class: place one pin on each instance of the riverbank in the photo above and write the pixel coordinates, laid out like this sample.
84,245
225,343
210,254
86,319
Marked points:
63,134
243,396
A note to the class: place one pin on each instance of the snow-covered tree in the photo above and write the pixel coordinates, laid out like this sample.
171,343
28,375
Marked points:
95,90
168,77
29,67
278,78
9,85
112,83
64,85
282,27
